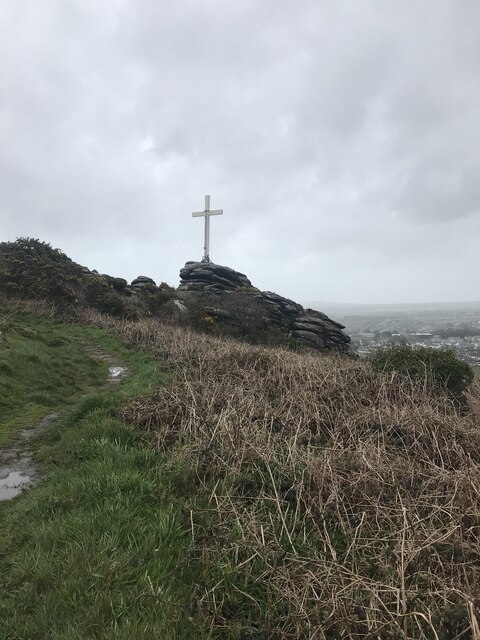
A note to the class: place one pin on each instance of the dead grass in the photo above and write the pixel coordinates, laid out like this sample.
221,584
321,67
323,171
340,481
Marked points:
325,500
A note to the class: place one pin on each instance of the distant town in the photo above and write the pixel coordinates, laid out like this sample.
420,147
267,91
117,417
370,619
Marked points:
443,326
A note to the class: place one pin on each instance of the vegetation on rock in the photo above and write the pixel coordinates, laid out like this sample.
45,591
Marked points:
239,309
32,269
103,296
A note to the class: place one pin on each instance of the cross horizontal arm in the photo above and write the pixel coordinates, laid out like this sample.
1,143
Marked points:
215,212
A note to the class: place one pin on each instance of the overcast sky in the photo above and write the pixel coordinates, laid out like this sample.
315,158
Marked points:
341,139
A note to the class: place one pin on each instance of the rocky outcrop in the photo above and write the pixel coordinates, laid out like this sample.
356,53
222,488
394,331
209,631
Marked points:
317,329
210,277
143,281
270,310
281,311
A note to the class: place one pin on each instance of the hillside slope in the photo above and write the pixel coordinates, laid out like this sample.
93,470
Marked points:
310,496
211,298
326,500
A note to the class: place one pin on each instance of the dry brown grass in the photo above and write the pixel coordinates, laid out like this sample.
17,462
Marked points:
325,500
341,502
11,306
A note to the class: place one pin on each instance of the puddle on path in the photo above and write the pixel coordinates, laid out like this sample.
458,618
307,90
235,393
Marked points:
12,485
17,469
116,372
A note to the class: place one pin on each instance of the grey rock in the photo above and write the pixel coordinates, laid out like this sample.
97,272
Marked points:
208,274
220,314
180,306
308,336
314,328
318,317
299,325
287,306
143,280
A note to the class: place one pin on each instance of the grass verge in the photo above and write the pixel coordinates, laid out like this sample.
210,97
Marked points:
42,368
97,550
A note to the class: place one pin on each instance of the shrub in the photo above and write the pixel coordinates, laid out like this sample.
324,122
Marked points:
119,284
440,368
155,298
33,269
238,314
100,295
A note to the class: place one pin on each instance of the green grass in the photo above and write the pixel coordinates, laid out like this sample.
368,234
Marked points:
42,367
99,549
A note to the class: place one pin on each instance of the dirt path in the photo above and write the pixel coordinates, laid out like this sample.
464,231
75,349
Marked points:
17,469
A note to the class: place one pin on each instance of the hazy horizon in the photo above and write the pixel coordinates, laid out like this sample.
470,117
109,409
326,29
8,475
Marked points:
394,305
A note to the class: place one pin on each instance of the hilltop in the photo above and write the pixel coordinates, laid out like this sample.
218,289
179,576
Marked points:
210,297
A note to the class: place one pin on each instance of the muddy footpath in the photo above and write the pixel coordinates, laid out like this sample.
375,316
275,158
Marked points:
17,469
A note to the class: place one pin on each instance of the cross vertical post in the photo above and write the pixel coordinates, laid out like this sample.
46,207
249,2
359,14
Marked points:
206,214
206,242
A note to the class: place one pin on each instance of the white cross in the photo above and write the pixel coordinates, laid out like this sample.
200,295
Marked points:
206,214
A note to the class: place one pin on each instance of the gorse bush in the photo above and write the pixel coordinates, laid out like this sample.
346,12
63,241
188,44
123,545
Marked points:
440,368
236,314
100,295
33,269
155,298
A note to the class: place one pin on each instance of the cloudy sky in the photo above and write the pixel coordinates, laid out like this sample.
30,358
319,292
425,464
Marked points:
341,139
